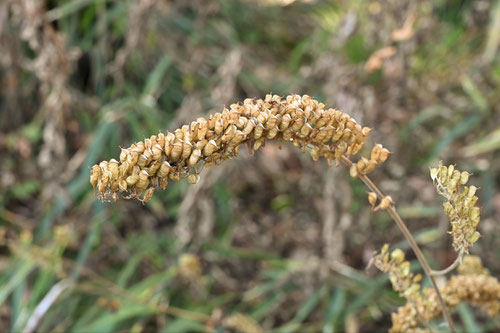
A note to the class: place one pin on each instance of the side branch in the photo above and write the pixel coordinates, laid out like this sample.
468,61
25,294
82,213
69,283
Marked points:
411,240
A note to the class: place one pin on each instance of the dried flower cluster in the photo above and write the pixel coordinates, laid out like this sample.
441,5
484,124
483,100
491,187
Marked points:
298,119
402,279
364,166
459,206
478,289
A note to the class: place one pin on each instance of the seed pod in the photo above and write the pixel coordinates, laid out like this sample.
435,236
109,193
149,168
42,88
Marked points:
241,122
164,169
193,178
262,117
218,126
353,171
398,256
305,130
287,135
148,194
122,185
314,154
194,158
285,122
297,124
472,191
384,155
132,180
143,181
143,161
375,155
370,166
475,237
177,150
258,131
95,173
229,133
372,199
209,148
157,151
154,167
434,173
271,134
163,183
385,203
123,155
249,127
186,150
271,122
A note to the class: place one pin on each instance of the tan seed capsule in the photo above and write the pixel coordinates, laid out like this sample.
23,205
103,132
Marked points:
95,174
163,183
285,122
143,181
194,158
315,154
201,144
143,161
123,155
464,177
249,127
157,151
271,134
186,150
372,199
113,169
219,127
375,155
262,118
122,184
385,203
384,155
154,167
176,152
398,256
193,178
258,131
353,171
164,169
209,148
271,122
370,167
132,180
148,194
287,134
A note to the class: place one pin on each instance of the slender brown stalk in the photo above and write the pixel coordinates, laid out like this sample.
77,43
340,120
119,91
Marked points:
411,240
451,267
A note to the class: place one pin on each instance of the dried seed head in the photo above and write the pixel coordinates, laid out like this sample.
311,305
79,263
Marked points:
172,156
459,205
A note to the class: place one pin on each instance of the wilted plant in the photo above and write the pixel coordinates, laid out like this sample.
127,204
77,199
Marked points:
327,133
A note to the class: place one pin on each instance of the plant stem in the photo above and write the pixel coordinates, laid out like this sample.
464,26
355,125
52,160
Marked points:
411,240
451,267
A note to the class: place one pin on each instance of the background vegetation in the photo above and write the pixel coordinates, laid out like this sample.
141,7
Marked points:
276,237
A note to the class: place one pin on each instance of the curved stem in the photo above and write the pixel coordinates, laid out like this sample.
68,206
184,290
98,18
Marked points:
411,240
451,267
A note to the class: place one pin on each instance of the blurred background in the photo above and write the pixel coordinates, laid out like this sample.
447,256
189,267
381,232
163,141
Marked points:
273,242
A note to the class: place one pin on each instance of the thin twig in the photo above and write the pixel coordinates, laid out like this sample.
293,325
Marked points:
411,240
451,267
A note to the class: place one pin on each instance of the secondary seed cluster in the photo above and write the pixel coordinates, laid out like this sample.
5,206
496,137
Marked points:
402,279
480,290
459,206
168,157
